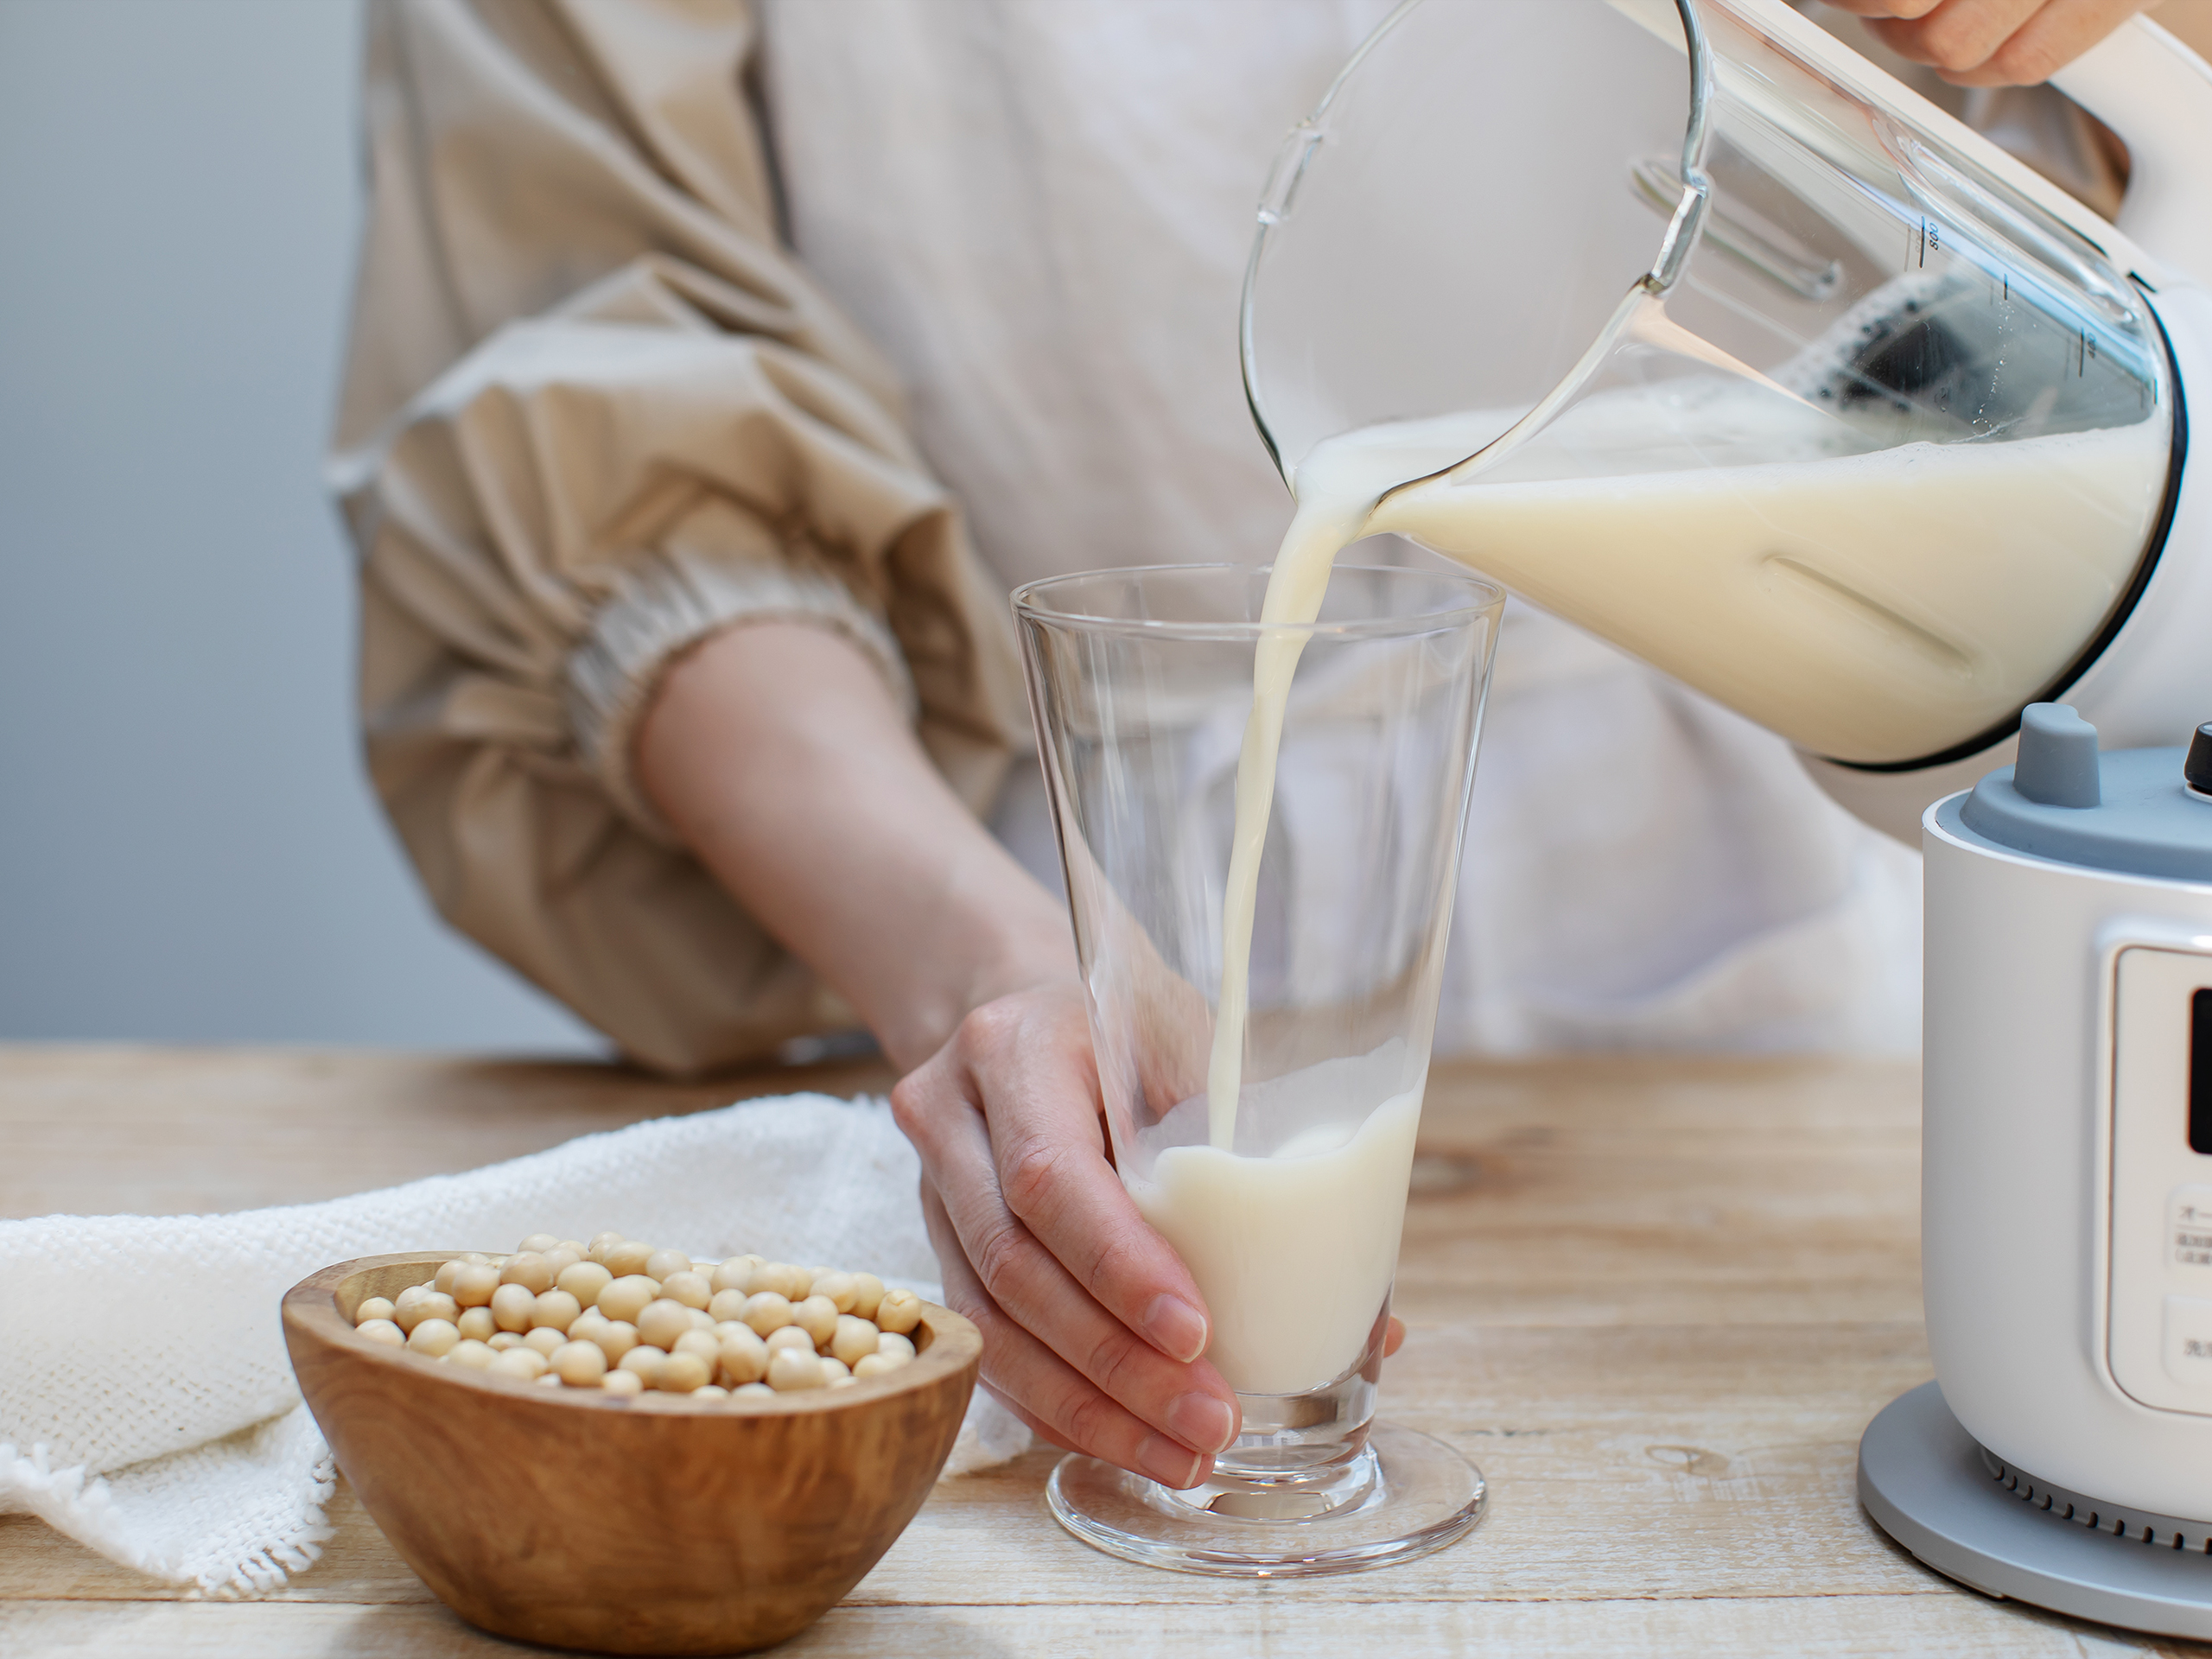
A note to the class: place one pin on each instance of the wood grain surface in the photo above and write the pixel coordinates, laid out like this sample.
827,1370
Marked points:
1656,1300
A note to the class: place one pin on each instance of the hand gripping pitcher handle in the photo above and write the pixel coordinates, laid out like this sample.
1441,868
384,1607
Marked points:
2140,81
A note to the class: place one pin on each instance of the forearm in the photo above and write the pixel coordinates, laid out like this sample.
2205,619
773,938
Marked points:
778,753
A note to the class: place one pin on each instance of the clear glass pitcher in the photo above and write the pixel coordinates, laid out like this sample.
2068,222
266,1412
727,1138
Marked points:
1703,333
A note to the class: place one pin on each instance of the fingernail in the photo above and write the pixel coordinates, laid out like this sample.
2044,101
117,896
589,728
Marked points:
1176,1328
1167,1463
1202,1421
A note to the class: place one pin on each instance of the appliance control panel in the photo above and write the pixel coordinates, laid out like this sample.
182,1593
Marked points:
2161,1292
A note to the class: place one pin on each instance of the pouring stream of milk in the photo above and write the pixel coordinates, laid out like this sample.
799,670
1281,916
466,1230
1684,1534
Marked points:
1339,486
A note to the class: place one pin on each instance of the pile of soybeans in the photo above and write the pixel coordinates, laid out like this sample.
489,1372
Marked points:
622,1316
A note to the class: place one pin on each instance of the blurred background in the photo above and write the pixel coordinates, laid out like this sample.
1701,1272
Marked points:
188,849
191,851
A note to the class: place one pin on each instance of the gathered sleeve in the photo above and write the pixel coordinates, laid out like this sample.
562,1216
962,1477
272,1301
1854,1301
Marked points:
594,413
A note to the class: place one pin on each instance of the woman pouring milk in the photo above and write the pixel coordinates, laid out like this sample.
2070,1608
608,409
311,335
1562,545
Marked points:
714,371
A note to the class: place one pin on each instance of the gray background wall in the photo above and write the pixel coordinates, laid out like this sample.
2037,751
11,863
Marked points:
188,851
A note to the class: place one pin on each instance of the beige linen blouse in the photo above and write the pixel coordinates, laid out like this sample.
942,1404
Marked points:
595,411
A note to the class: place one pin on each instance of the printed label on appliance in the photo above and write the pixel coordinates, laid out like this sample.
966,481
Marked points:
2189,1228
2189,1341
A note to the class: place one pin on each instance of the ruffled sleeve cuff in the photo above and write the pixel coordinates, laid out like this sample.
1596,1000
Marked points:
669,602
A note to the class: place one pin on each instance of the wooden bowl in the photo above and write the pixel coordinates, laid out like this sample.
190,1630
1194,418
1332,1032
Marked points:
648,1525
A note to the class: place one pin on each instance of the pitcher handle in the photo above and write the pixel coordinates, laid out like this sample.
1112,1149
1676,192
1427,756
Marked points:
2157,95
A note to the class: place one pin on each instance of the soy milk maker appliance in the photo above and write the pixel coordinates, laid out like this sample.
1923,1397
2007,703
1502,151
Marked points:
1903,433
2066,1188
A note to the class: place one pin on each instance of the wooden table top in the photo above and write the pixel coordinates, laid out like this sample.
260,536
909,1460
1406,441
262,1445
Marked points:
1655,1299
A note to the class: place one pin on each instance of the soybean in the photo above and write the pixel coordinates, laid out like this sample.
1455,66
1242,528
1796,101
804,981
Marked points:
584,1280
511,1307
900,1312
529,1270
625,1298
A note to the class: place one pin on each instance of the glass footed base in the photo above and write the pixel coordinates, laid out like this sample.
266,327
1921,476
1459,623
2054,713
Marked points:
1407,1495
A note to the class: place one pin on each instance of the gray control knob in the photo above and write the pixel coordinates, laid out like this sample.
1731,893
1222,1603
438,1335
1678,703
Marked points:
2058,757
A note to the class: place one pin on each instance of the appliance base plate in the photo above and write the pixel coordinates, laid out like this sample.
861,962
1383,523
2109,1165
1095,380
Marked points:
1921,1478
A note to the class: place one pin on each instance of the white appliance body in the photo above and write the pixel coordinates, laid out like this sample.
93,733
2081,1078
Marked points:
2068,1314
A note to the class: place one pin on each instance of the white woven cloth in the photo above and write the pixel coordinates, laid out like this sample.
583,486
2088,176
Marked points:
147,1406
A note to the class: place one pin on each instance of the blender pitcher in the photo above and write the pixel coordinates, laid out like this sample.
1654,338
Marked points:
1773,374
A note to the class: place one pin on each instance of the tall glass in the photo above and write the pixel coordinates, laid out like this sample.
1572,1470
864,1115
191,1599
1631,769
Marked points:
1285,1193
